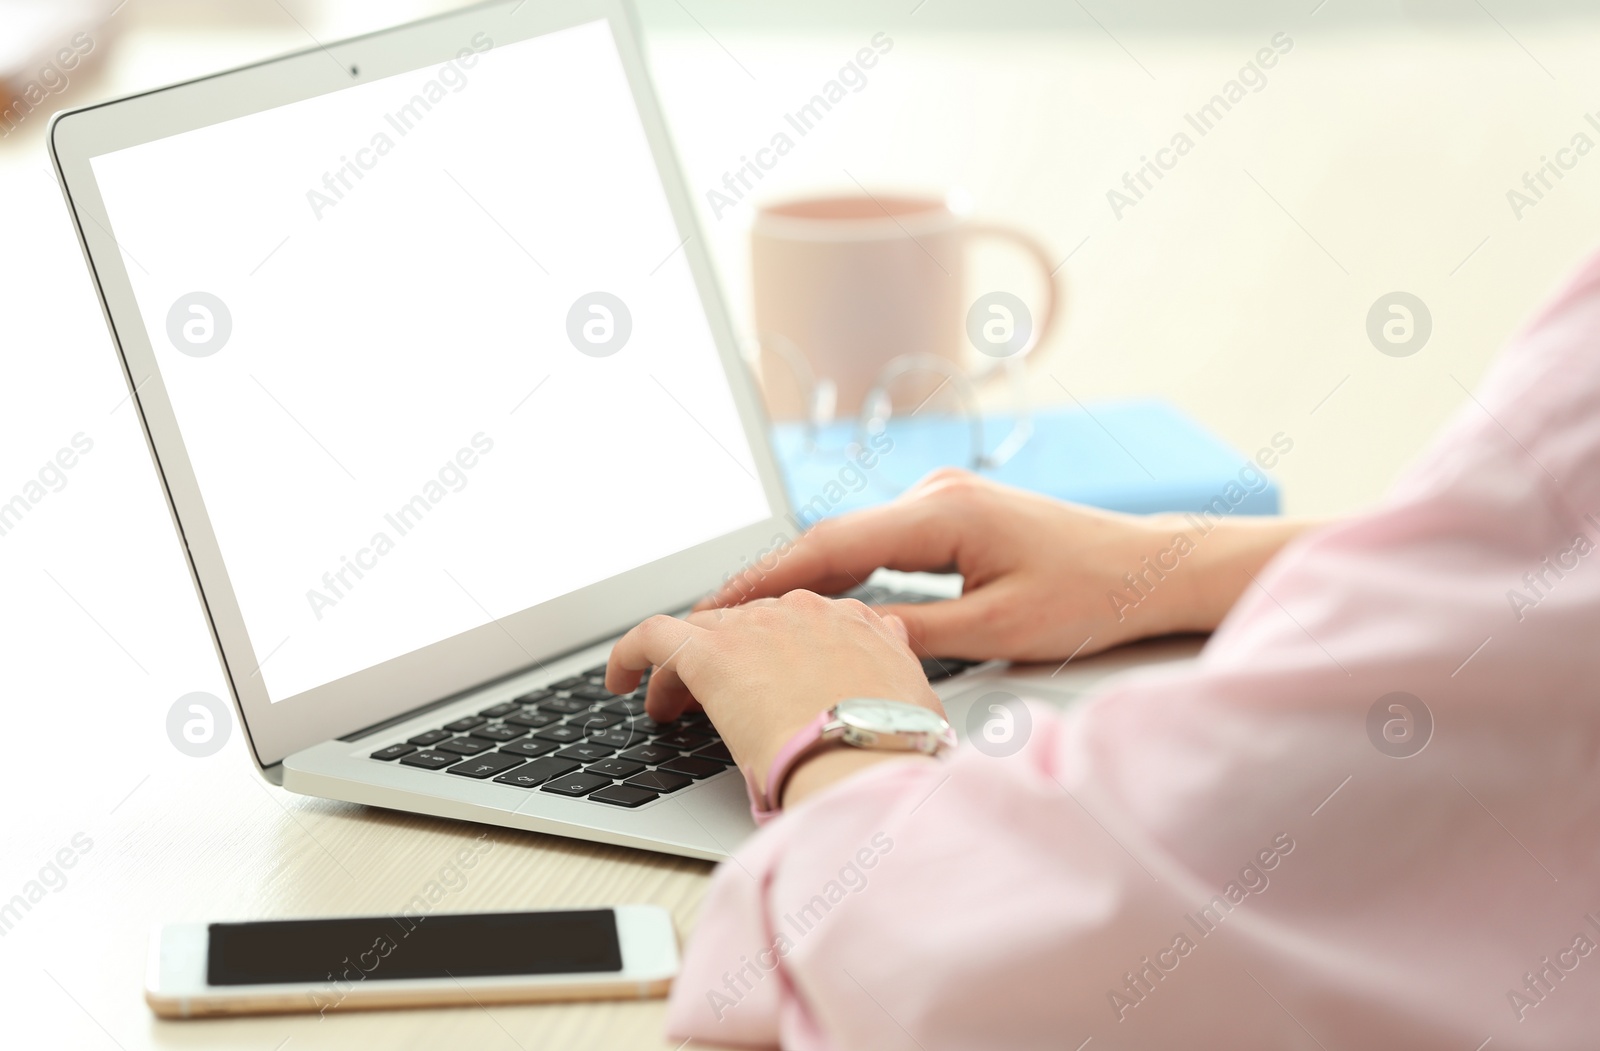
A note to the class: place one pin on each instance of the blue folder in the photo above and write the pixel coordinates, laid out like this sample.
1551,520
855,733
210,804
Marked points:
1136,456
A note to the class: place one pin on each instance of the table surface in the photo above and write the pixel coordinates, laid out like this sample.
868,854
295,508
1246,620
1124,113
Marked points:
1238,289
195,841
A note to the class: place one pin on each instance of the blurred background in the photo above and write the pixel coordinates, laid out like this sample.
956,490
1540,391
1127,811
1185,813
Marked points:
1378,156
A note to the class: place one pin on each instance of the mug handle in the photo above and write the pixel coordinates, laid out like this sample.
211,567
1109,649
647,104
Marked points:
1055,289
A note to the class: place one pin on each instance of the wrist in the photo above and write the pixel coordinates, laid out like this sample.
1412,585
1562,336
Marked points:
837,762
855,733
1224,555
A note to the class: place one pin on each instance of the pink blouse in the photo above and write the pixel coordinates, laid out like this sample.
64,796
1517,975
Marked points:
1367,818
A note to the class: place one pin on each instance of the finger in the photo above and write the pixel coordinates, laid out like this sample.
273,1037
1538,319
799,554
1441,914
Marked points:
667,696
710,616
841,552
651,643
963,627
710,603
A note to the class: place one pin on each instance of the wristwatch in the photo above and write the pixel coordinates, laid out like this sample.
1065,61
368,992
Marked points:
861,722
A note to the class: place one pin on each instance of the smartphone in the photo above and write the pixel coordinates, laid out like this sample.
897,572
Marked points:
199,970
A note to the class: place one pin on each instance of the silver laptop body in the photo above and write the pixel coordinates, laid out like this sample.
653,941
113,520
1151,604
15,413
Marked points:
443,396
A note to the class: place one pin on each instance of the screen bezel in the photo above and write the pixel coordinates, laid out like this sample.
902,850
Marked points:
492,651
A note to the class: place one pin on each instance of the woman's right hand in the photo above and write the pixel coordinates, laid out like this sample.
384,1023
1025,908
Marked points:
1044,580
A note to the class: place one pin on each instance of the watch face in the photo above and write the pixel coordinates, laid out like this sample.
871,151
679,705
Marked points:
889,717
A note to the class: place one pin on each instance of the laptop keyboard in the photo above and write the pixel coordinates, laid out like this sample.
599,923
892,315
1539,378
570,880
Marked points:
572,738
575,738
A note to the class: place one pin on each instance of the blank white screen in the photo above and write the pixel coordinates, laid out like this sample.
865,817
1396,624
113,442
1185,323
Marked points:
398,279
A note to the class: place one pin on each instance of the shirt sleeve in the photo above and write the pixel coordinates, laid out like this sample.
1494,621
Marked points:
1365,817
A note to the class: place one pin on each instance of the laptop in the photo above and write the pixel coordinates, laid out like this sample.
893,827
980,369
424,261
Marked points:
444,397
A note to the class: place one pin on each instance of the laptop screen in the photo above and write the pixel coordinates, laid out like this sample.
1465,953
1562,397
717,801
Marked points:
434,349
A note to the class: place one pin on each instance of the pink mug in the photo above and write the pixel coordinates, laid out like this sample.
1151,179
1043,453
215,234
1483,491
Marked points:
848,284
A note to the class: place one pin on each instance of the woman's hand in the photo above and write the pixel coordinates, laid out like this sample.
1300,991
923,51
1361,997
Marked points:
1044,580
764,670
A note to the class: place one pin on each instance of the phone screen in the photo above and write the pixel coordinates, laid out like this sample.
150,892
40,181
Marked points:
379,948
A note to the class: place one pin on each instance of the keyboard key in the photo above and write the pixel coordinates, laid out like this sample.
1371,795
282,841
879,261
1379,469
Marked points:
567,684
533,720
431,737
560,733
592,722
718,751
617,768
499,732
538,772
623,795
575,784
430,760
699,720
658,781
500,709
395,751
466,745
585,752
564,705
486,765
465,723
619,737
598,669
936,668
592,693
695,768
529,748
645,724
625,706
683,740
649,753
535,697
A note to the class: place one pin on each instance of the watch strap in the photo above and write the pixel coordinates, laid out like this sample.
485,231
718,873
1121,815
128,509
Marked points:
764,805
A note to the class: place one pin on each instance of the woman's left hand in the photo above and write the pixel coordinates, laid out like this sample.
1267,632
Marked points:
763,670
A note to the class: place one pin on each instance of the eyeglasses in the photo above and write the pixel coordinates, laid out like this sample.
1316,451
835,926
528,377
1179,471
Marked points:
921,412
